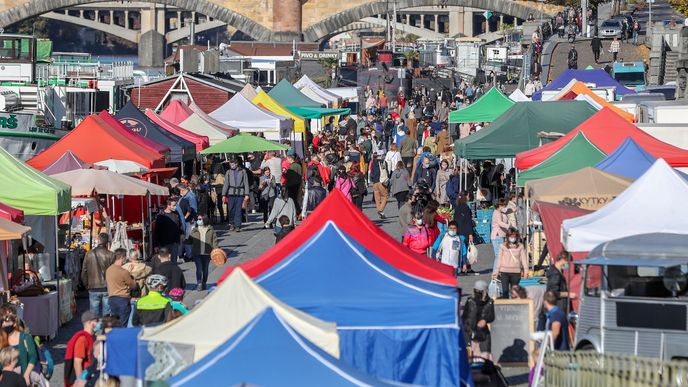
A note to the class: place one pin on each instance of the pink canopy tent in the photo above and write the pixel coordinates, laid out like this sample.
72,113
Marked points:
201,142
176,112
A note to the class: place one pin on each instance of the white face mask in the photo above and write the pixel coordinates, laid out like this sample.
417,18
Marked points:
512,240
419,222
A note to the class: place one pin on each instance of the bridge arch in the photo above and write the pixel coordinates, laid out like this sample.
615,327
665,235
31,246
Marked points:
326,27
34,8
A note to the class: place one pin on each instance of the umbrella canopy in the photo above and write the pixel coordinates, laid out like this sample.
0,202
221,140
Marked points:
577,154
29,190
289,96
263,100
176,112
517,129
596,77
244,143
518,96
10,230
587,188
85,182
68,162
486,109
122,166
196,124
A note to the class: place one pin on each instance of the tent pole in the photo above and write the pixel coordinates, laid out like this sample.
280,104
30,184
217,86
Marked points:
460,175
143,230
57,277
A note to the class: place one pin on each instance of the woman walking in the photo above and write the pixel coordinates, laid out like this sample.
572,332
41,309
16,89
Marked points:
511,263
441,181
267,192
360,189
17,338
500,225
399,184
203,241
343,182
283,205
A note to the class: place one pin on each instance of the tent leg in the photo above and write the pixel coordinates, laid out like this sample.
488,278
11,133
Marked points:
143,230
57,262
460,175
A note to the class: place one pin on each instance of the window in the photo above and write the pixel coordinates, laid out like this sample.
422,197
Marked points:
640,281
593,281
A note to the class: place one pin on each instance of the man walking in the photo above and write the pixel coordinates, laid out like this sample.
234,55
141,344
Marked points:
119,285
573,58
187,208
596,46
168,228
614,48
96,262
636,31
293,180
173,273
235,191
79,354
407,149
379,178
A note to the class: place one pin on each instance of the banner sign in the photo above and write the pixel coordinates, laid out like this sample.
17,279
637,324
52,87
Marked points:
318,55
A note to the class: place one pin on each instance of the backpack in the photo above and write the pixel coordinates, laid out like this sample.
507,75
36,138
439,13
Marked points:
45,358
360,188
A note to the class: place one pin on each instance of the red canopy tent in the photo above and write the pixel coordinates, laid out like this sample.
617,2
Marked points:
176,112
606,130
94,140
339,210
146,142
201,142
552,216
11,213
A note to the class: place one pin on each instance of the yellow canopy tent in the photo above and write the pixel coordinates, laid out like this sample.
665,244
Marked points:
263,100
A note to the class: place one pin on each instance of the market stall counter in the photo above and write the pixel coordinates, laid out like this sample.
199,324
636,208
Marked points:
40,314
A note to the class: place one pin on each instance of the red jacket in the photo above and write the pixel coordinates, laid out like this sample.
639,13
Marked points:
418,239
70,376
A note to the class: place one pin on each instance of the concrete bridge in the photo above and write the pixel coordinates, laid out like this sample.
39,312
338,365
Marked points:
263,20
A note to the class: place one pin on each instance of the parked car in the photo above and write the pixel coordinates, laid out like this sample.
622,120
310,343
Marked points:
633,297
610,28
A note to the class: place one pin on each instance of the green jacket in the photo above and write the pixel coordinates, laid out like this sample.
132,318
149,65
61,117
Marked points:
27,351
153,309
196,243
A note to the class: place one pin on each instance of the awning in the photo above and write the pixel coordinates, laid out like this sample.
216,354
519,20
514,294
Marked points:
319,112
86,182
10,230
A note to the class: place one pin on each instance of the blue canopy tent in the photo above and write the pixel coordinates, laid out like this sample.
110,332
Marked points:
268,352
598,77
180,149
120,347
628,160
391,325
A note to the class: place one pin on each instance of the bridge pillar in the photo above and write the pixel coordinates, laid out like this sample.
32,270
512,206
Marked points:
152,38
287,19
126,19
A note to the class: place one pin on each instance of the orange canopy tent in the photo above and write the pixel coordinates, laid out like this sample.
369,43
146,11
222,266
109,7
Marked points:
576,88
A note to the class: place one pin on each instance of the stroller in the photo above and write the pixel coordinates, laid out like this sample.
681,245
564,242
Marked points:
486,374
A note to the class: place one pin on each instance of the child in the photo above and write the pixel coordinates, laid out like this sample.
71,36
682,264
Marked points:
286,228
450,247
177,295
417,236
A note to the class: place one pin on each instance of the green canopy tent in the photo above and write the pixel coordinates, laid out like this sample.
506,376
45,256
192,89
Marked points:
576,154
486,109
31,191
244,143
289,96
517,129
317,113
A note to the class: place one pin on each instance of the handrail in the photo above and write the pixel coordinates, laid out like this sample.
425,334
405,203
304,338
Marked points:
593,369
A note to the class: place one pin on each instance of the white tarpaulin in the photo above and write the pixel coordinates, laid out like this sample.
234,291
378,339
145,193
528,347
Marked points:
518,96
122,166
230,307
242,114
651,204
306,82
196,124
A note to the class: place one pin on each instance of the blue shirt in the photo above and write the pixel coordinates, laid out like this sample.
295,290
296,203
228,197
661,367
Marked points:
561,343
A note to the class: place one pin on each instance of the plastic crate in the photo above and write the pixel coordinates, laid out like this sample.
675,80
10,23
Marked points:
483,214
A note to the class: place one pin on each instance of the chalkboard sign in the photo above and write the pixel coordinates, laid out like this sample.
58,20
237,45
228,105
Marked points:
511,330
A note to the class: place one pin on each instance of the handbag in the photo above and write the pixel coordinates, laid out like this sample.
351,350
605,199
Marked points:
472,254
494,290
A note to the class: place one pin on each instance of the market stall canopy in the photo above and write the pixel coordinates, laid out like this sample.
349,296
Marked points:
242,114
194,123
248,92
201,142
29,190
338,210
11,231
263,100
122,166
579,91
176,112
607,130
552,216
629,160
587,188
94,140
270,342
317,113
518,96
596,77
668,248
334,278
485,109
290,97
11,213
576,154
86,182
137,122
231,131
245,143
517,129
150,144
231,306
306,82
67,162
313,95
650,204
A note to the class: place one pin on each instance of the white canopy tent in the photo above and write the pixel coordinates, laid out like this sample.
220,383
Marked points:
248,92
122,166
85,182
518,96
242,114
647,206
196,124
312,94
229,308
323,94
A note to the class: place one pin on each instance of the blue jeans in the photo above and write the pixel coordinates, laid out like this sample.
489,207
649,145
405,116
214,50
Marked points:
120,307
635,38
234,210
495,246
202,263
98,301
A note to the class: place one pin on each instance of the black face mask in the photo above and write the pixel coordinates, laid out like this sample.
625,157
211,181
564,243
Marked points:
8,329
478,294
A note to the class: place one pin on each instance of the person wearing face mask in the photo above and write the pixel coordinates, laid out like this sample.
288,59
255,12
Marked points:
477,313
168,228
203,241
22,341
417,237
79,354
512,263
426,175
500,225
235,191
451,246
556,281
441,181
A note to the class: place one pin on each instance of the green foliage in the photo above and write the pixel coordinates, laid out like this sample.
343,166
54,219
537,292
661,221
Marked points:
35,26
680,5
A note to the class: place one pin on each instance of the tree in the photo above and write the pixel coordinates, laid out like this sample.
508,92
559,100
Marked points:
680,5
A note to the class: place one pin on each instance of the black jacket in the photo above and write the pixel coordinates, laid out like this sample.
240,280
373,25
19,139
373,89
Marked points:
167,228
596,43
375,170
316,194
464,220
556,283
473,312
174,275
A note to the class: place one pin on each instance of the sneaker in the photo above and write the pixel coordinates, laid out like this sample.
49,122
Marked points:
199,287
471,272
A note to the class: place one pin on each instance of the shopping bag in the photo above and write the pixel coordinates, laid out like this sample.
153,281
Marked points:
494,290
472,254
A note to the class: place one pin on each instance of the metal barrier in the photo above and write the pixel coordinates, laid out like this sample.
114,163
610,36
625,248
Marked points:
593,369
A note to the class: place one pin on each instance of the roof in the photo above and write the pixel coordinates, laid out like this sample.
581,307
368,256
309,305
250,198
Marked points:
607,130
87,142
597,77
486,109
576,154
635,211
269,49
248,92
176,112
517,129
242,114
654,246
196,124
338,210
289,96
225,84
29,190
